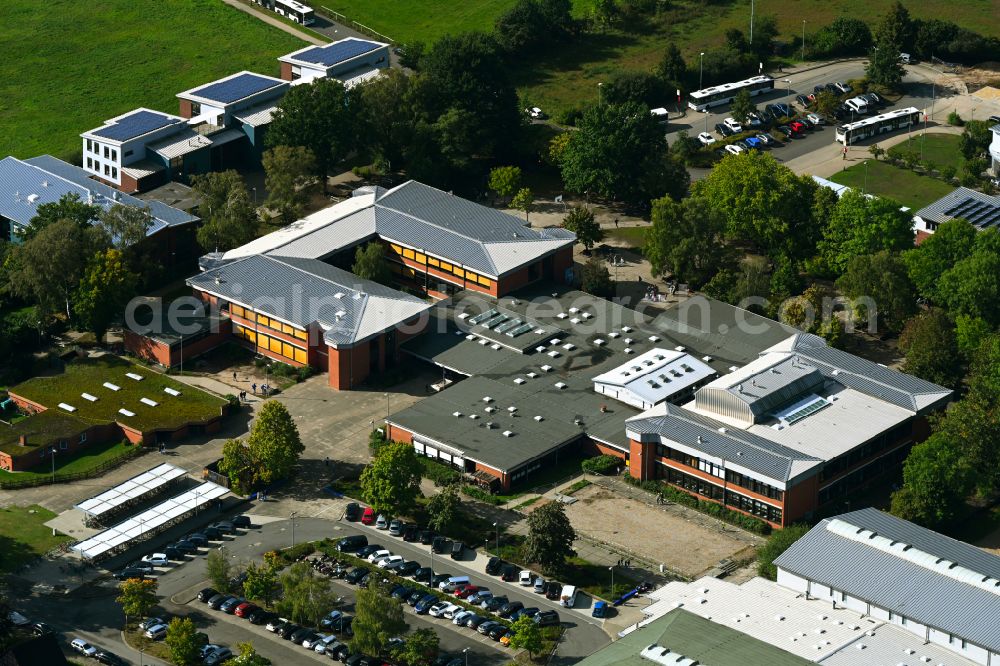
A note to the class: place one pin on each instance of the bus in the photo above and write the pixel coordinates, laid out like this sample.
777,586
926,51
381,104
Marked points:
884,122
290,9
716,95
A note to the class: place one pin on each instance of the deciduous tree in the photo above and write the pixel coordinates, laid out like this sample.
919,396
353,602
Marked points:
247,656
238,466
936,483
636,87
287,172
953,241
391,108
445,510
580,220
377,618
274,443
219,569
860,225
137,596
307,596
421,648
527,636
550,537
928,340
69,207
975,139
972,286
126,225
370,264
742,106
596,279
505,181
686,240
228,216
391,482
778,542
261,582
881,280
672,68
105,287
524,200
182,639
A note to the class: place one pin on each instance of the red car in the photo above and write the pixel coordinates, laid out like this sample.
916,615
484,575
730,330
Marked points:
244,609
797,127
465,590
368,517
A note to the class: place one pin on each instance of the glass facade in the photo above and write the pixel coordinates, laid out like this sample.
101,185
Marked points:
711,491
397,253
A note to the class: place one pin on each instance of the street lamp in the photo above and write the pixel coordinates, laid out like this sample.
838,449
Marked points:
291,517
53,464
600,96
387,408
465,651
751,23
497,525
706,120
803,39
788,90
196,495
865,191
701,69
612,570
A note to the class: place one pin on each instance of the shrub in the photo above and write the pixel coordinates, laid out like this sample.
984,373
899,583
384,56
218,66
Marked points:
441,475
478,493
233,400
955,119
948,172
569,116
603,464
297,551
777,543
749,523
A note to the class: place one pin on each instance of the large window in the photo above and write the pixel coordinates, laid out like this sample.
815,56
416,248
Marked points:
753,507
269,322
754,485
399,253
694,484
274,345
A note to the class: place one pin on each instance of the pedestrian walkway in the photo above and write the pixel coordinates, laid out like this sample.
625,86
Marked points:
273,20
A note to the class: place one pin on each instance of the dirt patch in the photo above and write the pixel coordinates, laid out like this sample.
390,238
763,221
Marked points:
650,532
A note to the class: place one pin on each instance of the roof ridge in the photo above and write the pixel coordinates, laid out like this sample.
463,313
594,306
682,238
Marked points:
439,227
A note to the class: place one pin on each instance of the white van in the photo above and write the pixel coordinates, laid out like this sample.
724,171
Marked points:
453,583
857,104
568,596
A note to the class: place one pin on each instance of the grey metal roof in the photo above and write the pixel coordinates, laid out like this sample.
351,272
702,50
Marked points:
394,225
304,291
781,383
904,587
182,143
49,179
261,114
738,446
982,210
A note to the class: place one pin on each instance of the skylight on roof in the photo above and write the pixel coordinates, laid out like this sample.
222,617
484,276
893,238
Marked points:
801,409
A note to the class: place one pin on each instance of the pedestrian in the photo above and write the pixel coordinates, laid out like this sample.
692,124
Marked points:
844,153
326,461
234,375
253,387
616,223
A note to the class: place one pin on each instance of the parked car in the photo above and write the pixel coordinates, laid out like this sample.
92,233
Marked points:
549,618
261,616
755,120
156,559
462,591
437,579
352,512
411,533
509,608
330,619
493,604
706,139
872,98
41,629
415,597
379,555
509,574
288,629
308,639
460,617
441,545
83,647
485,627
526,578
242,521
368,516
423,575
381,523
186,546
767,140
338,652
229,607
524,612
402,592
843,87
786,131
225,527
407,568
495,565
156,632
439,608
131,572
457,548
174,553
396,528
354,575
328,643
474,620
215,603
479,596
213,533
275,624
151,622
505,638
197,538
803,101
733,124
364,551
797,126
218,656
815,119
244,609
753,143
723,130
352,543
389,561
553,590
734,149
496,632
425,603
600,609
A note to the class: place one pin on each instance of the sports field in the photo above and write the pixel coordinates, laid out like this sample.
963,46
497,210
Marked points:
69,65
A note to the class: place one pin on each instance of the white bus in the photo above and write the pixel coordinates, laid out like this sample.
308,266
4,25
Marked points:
880,124
290,9
716,95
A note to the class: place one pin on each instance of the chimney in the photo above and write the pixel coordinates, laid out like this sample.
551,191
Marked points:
22,440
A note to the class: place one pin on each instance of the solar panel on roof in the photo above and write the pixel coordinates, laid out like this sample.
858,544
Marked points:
979,213
135,124
236,88
337,52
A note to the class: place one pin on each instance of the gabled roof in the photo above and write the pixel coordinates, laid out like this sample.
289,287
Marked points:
906,569
233,88
332,54
656,375
306,291
982,210
26,184
133,124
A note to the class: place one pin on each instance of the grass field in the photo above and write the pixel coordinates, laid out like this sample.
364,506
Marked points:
23,535
71,65
906,187
85,460
939,149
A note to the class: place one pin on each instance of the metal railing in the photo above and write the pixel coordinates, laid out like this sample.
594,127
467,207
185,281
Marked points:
109,464
351,23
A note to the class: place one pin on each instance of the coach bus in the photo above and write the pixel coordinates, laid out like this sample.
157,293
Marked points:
716,95
290,9
884,122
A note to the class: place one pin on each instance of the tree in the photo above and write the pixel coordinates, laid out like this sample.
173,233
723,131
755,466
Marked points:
521,29
324,117
218,569
972,286
672,68
892,34
953,241
527,636
550,537
580,220
248,656
391,482
505,180
287,172
765,204
238,466
595,278
261,582
975,139
274,443
421,648
970,333
183,641
620,152
685,240
104,289
557,148
49,266
69,207
137,596
391,108
228,215
307,595
445,510
880,279
896,26
370,264
860,225
826,103
126,225
377,618
928,341
936,482
523,200
778,542
605,13
742,106
643,88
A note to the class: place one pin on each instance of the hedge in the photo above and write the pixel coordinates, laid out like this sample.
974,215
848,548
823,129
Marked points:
603,464
749,523
478,493
441,475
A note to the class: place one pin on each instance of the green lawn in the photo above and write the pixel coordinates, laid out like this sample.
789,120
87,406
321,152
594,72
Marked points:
83,461
630,236
939,149
906,187
71,65
23,535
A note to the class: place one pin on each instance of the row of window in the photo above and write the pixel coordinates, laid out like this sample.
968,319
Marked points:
264,320
709,467
439,265
711,491
63,445
886,440
95,166
274,345
863,475
109,152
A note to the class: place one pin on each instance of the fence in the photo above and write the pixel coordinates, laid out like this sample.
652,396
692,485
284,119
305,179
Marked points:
351,23
74,476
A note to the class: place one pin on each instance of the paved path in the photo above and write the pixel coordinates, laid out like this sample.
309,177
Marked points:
273,20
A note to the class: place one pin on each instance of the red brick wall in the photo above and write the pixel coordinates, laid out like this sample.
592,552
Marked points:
129,184
185,107
158,352
641,459
397,434
513,281
17,461
147,348
591,447
801,499
562,260
348,367
286,71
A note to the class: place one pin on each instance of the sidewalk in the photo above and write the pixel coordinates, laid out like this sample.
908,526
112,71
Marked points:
267,18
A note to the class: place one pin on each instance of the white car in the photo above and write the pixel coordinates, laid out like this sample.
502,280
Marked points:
443,609
83,647
157,560
151,622
479,596
526,578
156,632
535,112
207,649
460,618
815,119
734,149
706,139
311,643
387,562
378,555
732,124
450,612
323,644
381,523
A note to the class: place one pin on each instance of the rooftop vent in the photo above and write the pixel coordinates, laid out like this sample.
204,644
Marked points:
539,419
457,414
560,385
554,354
512,409
627,351
532,374
614,334
598,342
341,314
340,294
679,348
540,349
490,409
508,433
520,380
546,368
706,359
487,399
555,341
626,329
587,315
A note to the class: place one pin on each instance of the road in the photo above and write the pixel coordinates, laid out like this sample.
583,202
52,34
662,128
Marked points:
92,613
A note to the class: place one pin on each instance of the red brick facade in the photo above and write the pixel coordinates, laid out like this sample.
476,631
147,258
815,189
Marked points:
155,351
185,109
286,71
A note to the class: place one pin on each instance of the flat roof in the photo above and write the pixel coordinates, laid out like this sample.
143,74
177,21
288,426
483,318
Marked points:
134,124
657,374
233,88
334,53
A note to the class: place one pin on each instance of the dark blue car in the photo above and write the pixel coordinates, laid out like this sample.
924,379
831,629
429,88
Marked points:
425,603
